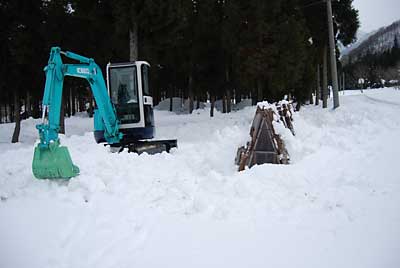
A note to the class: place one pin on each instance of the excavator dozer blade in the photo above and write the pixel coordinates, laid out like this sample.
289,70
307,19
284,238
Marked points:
53,163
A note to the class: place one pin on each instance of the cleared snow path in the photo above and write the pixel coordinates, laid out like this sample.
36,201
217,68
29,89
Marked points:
336,205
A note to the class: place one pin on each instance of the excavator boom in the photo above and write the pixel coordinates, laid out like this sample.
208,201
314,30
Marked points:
50,159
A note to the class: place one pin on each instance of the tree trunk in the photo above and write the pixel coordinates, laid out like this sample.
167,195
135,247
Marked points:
212,106
311,97
253,97
133,42
17,118
325,78
171,95
191,94
238,96
81,103
227,97
35,108
6,114
298,106
28,105
343,82
62,118
260,96
228,103
11,109
67,105
224,104
318,88
76,104
91,106
1,114
71,105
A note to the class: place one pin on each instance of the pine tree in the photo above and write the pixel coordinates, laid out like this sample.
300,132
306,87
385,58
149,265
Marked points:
22,51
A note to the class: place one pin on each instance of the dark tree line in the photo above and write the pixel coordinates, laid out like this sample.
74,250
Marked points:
198,49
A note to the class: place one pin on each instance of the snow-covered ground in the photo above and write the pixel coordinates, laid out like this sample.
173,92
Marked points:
336,205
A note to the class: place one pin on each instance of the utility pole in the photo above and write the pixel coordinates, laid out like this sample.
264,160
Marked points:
333,56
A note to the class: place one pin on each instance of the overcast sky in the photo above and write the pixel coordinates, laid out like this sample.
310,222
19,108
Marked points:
377,13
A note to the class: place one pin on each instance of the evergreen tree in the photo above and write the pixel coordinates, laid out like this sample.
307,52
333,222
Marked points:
215,48
21,50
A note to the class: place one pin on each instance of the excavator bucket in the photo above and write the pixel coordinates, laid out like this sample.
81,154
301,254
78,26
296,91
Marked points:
53,162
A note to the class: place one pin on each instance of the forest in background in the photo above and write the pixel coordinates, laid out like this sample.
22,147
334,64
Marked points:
198,49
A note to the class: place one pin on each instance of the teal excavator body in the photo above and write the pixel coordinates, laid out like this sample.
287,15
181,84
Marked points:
123,117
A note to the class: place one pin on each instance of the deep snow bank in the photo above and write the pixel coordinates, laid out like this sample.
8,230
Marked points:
336,205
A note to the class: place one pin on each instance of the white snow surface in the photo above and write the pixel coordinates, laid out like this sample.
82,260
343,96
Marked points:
179,105
336,205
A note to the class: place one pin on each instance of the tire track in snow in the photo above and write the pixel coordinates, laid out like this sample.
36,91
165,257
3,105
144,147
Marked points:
382,101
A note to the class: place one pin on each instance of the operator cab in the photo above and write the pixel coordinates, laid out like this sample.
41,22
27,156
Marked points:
128,88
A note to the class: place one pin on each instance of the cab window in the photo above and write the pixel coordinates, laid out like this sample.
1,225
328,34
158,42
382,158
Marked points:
124,93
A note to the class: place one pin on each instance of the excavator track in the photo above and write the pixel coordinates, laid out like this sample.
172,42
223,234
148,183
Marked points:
145,146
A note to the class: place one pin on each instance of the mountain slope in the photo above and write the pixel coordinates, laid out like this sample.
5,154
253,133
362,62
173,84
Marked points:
376,43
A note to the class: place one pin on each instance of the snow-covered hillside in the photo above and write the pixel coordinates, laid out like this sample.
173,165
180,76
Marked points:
375,42
336,205
361,37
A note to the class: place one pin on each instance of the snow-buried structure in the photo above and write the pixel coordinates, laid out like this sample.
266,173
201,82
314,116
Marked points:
266,146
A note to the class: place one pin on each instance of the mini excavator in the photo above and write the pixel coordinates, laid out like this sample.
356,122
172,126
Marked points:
123,118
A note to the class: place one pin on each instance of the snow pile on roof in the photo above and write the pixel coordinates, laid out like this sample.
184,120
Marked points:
336,205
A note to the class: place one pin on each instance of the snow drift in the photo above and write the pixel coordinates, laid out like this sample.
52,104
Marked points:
336,205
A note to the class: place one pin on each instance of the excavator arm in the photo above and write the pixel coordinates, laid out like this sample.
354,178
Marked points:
50,159
55,73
